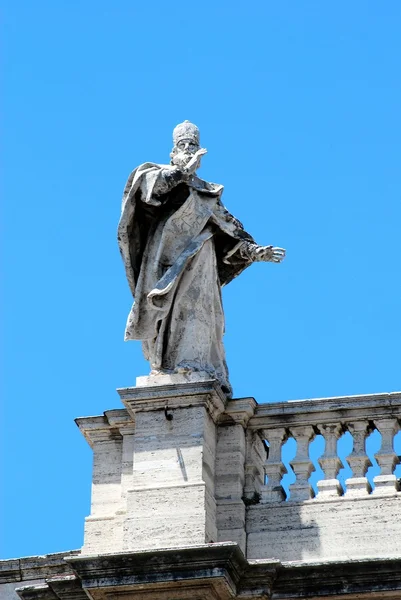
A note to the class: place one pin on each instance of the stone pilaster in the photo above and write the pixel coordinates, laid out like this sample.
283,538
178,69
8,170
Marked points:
103,528
230,470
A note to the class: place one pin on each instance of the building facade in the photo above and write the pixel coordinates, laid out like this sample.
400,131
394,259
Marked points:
187,502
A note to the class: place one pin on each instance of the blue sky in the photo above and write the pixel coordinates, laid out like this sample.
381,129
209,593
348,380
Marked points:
299,107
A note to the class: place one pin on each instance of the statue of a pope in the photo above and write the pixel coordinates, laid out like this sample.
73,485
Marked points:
180,245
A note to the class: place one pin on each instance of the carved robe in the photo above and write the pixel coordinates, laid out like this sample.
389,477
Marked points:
179,245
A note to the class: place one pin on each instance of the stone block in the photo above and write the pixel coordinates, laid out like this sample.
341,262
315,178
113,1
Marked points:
103,532
173,451
332,529
229,486
7,590
231,515
237,536
176,379
165,517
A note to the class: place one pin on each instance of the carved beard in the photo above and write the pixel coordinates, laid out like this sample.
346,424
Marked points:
181,159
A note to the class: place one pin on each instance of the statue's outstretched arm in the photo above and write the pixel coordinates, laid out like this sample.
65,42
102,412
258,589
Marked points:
255,253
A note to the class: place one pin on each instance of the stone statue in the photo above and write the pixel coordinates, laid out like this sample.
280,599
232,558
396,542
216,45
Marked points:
179,246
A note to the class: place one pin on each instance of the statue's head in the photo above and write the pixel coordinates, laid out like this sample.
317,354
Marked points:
186,143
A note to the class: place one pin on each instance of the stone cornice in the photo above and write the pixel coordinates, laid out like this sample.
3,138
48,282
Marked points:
215,571
62,587
326,410
41,591
353,578
67,588
207,393
238,411
35,567
104,427
151,564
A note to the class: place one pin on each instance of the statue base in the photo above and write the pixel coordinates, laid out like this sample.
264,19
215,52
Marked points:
169,468
172,378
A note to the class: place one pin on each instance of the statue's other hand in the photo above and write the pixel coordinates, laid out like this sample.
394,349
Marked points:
269,254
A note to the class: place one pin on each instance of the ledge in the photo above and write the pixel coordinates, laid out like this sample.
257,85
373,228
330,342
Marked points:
326,410
186,394
35,567
217,571
104,427
332,578
151,566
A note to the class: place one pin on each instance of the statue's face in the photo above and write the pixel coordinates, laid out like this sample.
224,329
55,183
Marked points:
183,152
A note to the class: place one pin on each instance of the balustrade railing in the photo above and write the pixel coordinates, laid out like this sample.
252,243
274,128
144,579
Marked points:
331,418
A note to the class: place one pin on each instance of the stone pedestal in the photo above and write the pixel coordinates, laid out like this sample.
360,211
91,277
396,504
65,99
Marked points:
154,466
172,499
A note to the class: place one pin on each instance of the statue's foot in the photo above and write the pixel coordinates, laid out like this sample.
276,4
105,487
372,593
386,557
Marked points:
184,370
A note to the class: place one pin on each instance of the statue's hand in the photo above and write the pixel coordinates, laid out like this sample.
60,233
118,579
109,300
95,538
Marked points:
193,164
200,152
268,254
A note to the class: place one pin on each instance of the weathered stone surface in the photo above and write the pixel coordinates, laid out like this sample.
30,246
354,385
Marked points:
62,587
169,516
350,579
35,567
32,571
326,410
103,532
230,479
167,396
331,529
201,572
238,411
255,460
36,591
165,379
173,480
217,572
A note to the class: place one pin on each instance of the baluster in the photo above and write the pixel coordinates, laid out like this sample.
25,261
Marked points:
274,469
358,485
255,459
330,462
386,482
302,465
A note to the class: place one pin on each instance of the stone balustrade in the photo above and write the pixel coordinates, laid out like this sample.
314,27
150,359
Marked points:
330,519
331,418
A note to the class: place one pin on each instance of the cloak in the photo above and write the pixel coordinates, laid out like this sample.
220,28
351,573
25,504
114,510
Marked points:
179,246
203,207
